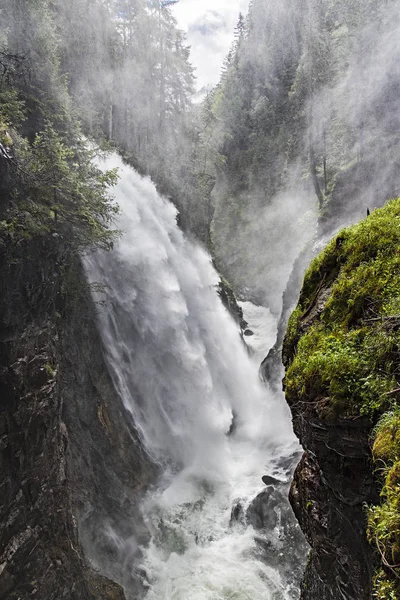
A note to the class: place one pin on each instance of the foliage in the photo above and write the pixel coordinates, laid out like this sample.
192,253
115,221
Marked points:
342,355
12,109
55,186
348,351
50,183
115,70
64,191
288,117
384,519
130,77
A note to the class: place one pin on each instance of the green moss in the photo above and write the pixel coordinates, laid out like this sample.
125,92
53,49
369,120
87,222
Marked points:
293,333
342,365
384,520
50,369
387,437
385,588
349,351
342,352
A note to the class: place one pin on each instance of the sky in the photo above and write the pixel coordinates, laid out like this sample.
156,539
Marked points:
209,26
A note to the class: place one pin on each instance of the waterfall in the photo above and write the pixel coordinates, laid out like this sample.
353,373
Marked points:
193,392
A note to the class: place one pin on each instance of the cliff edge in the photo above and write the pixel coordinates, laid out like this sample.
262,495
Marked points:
341,354
69,454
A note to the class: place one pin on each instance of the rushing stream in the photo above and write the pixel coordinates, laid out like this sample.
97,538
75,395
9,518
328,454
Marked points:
193,391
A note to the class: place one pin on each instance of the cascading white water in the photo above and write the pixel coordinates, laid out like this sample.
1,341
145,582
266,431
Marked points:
185,376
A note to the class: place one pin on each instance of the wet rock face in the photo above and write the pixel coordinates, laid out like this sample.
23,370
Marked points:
39,549
50,472
341,562
278,535
334,480
109,469
229,300
331,486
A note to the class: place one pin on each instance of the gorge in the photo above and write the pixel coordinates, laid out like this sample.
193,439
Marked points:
158,259
184,376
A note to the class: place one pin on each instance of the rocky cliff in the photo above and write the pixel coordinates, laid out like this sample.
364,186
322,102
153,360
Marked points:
341,356
62,468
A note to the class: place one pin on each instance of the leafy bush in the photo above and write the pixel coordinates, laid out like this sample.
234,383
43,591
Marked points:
57,188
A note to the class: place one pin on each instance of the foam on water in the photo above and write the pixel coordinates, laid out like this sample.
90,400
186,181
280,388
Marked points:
262,325
183,373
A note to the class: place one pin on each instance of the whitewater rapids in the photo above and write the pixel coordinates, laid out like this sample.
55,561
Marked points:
186,378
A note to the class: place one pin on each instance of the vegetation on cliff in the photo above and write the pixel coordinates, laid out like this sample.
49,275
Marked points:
105,70
49,182
384,520
303,120
55,203
341,354
349,352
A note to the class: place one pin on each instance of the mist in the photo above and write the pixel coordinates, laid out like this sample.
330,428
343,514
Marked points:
296,138
186,379
307,110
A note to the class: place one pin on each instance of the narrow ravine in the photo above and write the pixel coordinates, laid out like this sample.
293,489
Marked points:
193,391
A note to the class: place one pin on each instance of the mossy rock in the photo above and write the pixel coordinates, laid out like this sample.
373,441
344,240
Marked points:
342,356
343,339
102,588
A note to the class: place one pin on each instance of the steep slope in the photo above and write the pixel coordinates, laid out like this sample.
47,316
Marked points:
341,357
304,120
58,420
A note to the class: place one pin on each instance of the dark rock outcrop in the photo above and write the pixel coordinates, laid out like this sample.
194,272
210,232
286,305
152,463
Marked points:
331,485
109,469
278,535
341,359
229,300
58,412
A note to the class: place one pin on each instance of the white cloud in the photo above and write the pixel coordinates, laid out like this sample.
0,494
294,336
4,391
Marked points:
209,25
